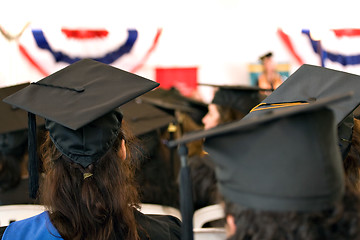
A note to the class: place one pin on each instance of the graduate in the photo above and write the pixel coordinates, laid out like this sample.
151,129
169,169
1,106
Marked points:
14,179
231,103
156,172
291,188
310,83
88,186
269,78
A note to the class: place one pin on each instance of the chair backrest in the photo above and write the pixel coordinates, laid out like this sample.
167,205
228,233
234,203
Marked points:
207,214
148,208
11,213
209,234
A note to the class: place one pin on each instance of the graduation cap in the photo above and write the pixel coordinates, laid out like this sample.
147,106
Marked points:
285,160
172,100
78,103
143,117
13,122
267,55
239,97
310,83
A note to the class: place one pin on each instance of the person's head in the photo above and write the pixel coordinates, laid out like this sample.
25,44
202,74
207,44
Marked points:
268,62
341,221
218,114
91,199
88,186
352,158
310,83
230,103
278,187
285,161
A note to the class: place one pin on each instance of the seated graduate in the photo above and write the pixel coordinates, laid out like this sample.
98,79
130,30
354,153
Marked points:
269,78
88,186
13,151
291,188
231,103
310,83
188,113
351,154
156,172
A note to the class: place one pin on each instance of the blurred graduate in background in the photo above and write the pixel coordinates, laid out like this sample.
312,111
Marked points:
278,184
269,78
14,178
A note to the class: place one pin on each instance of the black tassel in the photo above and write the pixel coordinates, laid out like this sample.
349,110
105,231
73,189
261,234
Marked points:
186,199
33,160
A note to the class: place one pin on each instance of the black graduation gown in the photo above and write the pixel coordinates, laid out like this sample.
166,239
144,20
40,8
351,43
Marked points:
156,227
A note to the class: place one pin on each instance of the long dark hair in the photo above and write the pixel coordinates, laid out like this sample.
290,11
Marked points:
228,114
11,161
10,172
98,207
352,160
340,222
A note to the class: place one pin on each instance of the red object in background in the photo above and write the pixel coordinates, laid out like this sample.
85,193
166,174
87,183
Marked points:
347,32
85,33
182,78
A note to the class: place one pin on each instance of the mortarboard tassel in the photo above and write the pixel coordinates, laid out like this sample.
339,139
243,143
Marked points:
33,161
186,200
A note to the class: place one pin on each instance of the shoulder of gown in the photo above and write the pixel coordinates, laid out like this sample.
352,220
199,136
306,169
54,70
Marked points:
158,226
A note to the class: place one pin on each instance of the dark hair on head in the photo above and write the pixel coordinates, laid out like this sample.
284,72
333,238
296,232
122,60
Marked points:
352,160
99,207
228,114
155,175
204,183
11,166
340,222
10,172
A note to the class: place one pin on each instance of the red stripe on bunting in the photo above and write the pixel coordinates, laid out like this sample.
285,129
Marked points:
182,78
84,34
285,38
147,54
351,32
31,60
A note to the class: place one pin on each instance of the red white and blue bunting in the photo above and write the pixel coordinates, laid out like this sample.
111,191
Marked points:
49,50
335,48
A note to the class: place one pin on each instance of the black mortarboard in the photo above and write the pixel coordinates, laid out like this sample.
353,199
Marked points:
12,118
285,160
13,122
266,55
310,83
78,103
144,118
239,97
172,100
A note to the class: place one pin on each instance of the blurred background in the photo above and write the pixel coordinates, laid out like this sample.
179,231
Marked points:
178,43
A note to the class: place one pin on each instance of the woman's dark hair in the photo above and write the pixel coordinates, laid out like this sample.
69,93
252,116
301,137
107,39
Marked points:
204,183
98,207
155,175
340,222
10,172
228,114
11,164
352,160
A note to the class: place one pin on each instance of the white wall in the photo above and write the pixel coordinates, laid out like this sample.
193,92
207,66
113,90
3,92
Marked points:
219,36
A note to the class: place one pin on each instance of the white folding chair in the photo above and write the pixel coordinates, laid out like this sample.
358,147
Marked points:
207,214
148,208
11,213
209,234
